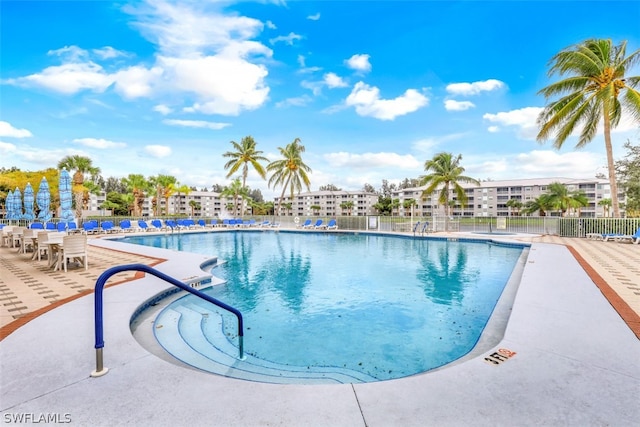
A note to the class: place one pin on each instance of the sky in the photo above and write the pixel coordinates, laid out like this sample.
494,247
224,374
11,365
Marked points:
373,89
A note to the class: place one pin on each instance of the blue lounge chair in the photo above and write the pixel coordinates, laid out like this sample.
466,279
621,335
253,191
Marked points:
108,227
62,227
125,226
306,224
36,226
265,223
72,227
156,224
332,225
89,228
50,226
202,223
143,225
319,224
634,238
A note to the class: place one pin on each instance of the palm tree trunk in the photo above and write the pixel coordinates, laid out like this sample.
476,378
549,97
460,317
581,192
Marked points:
284,188
610,164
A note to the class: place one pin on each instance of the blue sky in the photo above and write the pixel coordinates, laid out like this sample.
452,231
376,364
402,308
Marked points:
372,89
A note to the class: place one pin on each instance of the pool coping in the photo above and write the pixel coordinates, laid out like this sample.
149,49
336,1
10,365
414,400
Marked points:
569,345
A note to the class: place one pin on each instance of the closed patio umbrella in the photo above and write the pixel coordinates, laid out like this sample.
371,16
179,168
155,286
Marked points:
17,204
66,213
29,198
8,205
43,199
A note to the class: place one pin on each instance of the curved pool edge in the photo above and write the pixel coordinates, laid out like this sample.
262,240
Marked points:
566,336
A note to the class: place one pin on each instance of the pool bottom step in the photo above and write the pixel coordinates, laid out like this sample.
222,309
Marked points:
181,332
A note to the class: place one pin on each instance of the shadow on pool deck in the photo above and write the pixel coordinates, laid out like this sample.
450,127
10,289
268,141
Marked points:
576,363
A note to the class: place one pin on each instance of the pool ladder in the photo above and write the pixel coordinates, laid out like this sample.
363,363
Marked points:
98,305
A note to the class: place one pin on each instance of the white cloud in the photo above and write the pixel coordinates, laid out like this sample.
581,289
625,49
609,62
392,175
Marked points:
99,143
493,129
158,151
523,119
359,62
315,87
332,80
536,164
224,84
475,87
108,52
68,78
367,102
299,101
163,109
70,53
196,124
6,148
315,17
452,105
6,129
270,25
371,160
288,39
135,82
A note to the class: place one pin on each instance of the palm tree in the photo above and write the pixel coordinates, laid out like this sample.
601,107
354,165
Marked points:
291,171
347,206
564,200
235,190
408,204
594,90
180,190
194,205
515,204
138,186
245,155
82,166
606,205
446,175
164,185
541,204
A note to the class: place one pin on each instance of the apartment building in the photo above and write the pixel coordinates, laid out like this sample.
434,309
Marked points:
329,203
490,197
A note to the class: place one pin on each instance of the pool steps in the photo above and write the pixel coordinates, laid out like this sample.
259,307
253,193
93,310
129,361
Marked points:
194,334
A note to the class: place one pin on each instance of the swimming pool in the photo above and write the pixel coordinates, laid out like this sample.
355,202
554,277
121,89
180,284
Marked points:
338,307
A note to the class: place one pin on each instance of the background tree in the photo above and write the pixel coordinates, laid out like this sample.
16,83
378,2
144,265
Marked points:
514,204
347,206
541,204
245,154
290,172
596,89
236,191
407,204
138,186
368,188
329,187
628,170
316,209
287,207
564,200
446,175
194,205
395,204
180,189
164,186
606,206
81,166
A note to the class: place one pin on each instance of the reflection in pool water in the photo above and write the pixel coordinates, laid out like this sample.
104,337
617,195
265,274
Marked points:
385,306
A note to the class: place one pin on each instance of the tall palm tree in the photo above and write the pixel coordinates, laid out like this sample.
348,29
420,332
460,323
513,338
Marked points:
138,186
515,204
446,175
596,89
82,166
541,204
245,155
181,189
290,172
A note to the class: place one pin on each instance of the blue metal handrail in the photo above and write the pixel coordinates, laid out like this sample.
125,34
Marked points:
102,280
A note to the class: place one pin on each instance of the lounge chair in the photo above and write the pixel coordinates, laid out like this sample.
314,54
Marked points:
62,226
201,223
50,226
89,227
36,226
611,236
125,226
143,225
634,238
72,228
319,224
156,224
305,224
332,225
108,227
265,224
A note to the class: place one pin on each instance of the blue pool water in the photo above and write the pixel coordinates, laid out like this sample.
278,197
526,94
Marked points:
385,307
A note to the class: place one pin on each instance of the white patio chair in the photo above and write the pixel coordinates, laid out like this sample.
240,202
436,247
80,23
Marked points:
74,247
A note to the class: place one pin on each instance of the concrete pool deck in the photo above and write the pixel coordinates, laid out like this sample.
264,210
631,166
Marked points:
576,361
